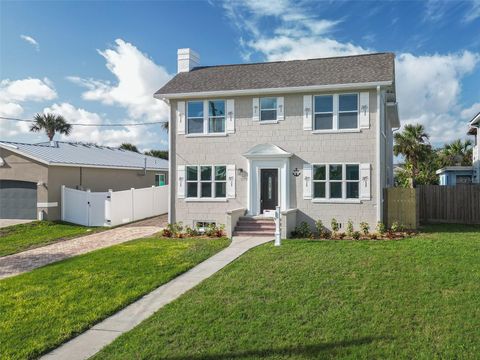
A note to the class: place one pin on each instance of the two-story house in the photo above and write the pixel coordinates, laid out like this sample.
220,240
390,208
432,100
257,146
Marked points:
474,130
311,136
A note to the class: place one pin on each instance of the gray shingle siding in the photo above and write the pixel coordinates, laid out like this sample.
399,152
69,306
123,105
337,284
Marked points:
296,73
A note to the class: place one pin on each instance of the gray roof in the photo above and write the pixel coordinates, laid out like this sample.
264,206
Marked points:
72,154
296,73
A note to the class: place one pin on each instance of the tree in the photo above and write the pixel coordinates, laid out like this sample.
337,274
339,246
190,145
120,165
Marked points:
51,124
413,144
165,126
162,154
458,152
129,147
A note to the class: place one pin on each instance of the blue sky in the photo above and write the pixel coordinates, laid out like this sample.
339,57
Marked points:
100,62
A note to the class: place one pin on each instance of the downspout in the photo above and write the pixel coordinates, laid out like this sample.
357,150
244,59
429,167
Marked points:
379,194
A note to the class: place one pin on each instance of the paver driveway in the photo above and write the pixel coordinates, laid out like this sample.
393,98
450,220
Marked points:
28,260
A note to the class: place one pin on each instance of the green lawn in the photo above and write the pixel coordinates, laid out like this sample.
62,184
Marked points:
21,237
413,298
43,308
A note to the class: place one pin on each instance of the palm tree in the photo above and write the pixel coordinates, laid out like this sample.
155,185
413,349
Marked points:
413,144
162,154
129,147
51,124
165,126
457,152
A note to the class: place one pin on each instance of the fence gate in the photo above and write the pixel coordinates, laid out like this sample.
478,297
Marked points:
83,207
401,205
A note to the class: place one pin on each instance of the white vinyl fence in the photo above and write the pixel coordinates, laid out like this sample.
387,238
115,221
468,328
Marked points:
113,208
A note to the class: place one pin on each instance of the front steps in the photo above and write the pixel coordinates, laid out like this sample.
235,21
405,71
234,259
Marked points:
254,226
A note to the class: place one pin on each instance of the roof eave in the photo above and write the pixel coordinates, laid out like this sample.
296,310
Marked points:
280,90
475,120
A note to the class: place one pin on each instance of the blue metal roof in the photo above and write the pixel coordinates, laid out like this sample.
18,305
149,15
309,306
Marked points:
80,154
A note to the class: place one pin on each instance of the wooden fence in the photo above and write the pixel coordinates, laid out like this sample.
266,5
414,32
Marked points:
401,205
449,204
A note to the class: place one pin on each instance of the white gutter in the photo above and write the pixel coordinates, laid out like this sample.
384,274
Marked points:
378,160
295,89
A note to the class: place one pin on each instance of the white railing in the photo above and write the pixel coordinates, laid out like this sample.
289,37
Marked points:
277,226
113,207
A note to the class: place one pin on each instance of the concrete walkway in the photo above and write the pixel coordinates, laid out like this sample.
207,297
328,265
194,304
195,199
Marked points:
102,334
31,259
11,222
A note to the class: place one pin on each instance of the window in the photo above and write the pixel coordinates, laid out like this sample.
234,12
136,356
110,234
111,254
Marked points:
200,121
335,112
201,226
216,116
268,109
348,111
206,181
336,181
159,179
323,118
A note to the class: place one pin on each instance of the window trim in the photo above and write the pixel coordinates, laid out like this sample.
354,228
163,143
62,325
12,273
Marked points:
272,121
336,114
327,181
199,182
206,119
164,179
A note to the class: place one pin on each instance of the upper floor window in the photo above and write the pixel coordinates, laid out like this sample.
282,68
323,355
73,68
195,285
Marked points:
335,112
348,111
268,109
159,179
323,119
206,181
206,116
336,181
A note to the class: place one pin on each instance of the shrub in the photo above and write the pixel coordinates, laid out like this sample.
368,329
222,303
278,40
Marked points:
356,235
302,231
340,235
349,228
395,226
320,227
365,227
166,233
335,226
326,234
373,236
191,232
381,228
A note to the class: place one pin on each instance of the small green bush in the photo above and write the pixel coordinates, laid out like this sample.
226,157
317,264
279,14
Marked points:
302,231
349,229
356,235
320,227
395,226
381,228
365,227
335,226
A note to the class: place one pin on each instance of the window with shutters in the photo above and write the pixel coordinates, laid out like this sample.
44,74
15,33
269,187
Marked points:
336,181
268,109
336,112
206,181
206,117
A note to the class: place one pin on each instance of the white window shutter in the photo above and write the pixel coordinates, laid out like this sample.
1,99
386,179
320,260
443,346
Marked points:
280,108
365,181
256,109
230,113
307,181
181,181
307,112
364,110
231,181
181,117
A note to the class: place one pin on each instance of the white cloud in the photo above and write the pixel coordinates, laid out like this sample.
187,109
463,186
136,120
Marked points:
428,86
27,90
31,41
469,113
473,13
138,77
139,135
13,93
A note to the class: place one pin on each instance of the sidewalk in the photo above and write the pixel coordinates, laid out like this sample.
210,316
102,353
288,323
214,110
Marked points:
102,334
31,259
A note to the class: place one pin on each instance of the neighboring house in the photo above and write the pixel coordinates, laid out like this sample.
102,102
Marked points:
474,130
454,175
31,175
312,136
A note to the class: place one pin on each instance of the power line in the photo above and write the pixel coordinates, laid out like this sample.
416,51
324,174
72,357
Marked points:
82,124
